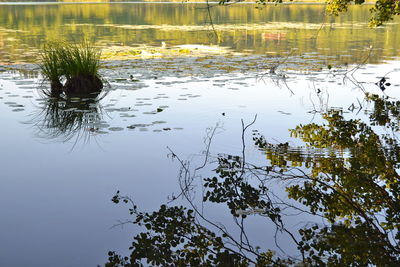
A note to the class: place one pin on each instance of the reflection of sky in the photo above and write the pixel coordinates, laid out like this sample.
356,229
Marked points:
55,202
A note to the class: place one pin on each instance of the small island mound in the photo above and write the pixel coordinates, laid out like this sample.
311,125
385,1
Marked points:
71,69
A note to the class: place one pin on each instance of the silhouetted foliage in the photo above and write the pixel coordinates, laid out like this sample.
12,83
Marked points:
175,238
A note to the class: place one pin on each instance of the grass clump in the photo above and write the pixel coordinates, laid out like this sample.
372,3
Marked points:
50,66
82,59
77,64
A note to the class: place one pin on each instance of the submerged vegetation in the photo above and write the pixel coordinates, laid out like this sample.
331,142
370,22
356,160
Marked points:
77,64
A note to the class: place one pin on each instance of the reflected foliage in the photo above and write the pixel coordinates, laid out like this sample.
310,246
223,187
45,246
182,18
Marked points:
383,10
350,180
62,118
233,188
175,238
355,186
24,29
385,113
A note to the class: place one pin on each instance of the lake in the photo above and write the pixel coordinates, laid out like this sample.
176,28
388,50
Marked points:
172,76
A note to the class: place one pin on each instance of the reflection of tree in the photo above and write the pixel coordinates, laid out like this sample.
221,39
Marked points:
26,23
385,113
62,118
349,179
1,40
357,194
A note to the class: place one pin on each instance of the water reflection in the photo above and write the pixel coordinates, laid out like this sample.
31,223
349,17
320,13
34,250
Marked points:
349,190
272,30
386,112
63,118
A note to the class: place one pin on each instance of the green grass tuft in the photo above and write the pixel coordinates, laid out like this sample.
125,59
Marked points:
81,59
50,62
62,60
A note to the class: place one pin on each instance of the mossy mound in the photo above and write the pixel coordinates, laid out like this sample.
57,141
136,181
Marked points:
56,87
83,85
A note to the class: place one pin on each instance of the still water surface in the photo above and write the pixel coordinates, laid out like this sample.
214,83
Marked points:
61,161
